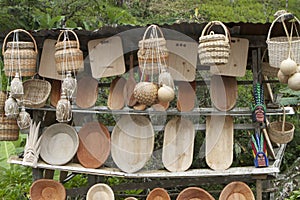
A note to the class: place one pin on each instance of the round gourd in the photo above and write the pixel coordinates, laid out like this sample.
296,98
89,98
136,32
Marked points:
294,82
282,78
165,94
288,66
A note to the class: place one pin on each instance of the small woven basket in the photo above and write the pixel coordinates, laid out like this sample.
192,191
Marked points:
19,56
2,101
146,93
278,47
68,56
281,132
9,130
214,49
36,92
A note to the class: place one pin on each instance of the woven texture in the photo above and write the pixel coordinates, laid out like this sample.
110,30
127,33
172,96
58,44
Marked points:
277,135
9,130
2,101
19,56
36,92
146,93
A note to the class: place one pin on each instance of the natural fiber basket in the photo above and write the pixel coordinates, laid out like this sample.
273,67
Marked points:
68,57
19,56
9,130
152,51
281,132
267,69
146,93
278,47
214,49
2,101
36,92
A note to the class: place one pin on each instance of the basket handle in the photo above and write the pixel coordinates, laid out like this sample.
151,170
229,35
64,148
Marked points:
280,17
153,26
212,23
283,121
15,31
68,30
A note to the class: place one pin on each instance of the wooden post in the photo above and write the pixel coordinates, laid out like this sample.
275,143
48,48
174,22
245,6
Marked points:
258,189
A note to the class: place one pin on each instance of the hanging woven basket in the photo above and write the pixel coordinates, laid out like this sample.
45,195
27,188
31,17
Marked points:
19,56
9,130
214,49
36,92
68,56
278,47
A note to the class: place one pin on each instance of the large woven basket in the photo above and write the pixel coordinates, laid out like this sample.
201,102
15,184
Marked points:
9,130
68,56
36,92
214,49
19,56
281,132
278,47
152,51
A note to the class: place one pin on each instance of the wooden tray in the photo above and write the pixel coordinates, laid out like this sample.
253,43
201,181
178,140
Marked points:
47,66
132,142
223,92
106,57
178,146
219,142
237,62
182,59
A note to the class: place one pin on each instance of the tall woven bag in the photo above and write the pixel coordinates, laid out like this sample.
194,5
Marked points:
214,49
278,47
19,56
68,56
9,129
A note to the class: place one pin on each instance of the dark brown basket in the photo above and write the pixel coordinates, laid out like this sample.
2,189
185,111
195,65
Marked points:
9,130
36,92
2,101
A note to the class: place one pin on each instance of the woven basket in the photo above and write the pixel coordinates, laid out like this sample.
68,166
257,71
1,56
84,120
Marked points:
281,132
36,92
152,51
19,56
214,49
267,69
278,47
68,57
9,130
2,101
146,93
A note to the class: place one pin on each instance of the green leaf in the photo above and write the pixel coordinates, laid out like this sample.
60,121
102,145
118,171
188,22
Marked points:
6,149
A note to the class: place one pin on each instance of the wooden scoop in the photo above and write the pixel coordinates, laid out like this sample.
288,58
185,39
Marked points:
186,96
87,92
129,86
219,142
116,99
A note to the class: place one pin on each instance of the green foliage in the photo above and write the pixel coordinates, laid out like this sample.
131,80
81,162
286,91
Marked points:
295,195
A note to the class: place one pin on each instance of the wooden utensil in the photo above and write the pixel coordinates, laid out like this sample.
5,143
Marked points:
132,142
106,57
186,96
237,61
223,92
47,66
55,92
87,92
116,100
219,142
129,86
178,146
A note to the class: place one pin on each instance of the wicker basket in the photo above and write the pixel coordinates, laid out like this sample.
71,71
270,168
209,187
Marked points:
214,49
68,57
281,132
152,51
19,56
2,101
278,47
146,93
9,130
36,92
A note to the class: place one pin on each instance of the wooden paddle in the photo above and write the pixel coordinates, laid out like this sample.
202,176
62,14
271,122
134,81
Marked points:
55,92
130,85
219,141
87,92
177,154
116,99
223,92
186,96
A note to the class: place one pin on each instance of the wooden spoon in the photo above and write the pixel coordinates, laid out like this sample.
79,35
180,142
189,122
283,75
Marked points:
129,86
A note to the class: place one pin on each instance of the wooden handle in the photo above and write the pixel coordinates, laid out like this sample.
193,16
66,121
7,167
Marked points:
66,31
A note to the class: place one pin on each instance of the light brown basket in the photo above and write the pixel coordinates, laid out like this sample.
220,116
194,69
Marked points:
214,49
153,52
68,57
19,56
146,93
36,92
2,101
278,47
281,132
9,130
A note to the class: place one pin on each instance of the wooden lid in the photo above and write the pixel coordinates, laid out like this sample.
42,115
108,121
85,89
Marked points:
100,191
236,191
47,189
158,194
194,193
